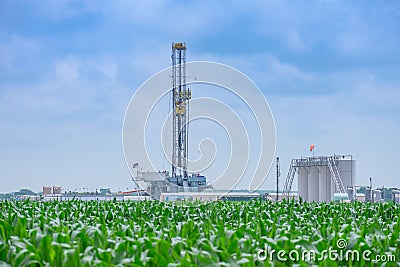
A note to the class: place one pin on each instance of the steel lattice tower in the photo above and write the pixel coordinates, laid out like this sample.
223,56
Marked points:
180,103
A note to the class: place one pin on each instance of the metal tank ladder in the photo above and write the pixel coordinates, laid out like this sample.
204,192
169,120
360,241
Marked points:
335,175
289,179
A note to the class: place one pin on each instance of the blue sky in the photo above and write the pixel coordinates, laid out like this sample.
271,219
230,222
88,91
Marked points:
329,69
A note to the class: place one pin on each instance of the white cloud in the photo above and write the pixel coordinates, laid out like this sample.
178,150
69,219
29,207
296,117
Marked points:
189,18
287,71
296,41
17,50
67,70
108,67
268,71
62,9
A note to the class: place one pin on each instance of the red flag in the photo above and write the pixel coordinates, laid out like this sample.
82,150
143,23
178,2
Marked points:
312,147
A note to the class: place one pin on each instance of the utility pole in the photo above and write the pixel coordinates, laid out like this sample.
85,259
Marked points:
371,193
278,173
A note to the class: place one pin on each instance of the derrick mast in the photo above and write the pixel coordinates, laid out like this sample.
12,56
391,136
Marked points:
179,181
180,103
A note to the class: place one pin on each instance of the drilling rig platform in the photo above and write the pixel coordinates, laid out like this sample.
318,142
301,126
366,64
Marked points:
179,180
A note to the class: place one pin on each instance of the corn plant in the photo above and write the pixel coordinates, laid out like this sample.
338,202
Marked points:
151,233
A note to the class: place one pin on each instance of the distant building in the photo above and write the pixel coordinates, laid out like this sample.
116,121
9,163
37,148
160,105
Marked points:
396,196
56,190
26,197
105,191
51,190
360,197
272,196
209,195
47,190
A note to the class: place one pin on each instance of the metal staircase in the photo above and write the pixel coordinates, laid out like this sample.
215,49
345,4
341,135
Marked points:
289,178
335,175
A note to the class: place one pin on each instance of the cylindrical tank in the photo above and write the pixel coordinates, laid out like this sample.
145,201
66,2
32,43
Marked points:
333,186
347,169
324,185
351,193
377,195
368,194
329,193
396,196
313,184
303,183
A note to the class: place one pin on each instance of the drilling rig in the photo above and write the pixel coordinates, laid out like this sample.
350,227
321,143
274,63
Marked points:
180,104
179,180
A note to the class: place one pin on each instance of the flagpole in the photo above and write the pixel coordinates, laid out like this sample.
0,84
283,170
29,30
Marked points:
136,166
312,147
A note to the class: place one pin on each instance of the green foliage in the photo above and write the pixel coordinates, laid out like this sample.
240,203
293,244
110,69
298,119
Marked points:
150,233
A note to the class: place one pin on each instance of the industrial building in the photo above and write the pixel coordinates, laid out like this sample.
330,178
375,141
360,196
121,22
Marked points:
52,190
396,196
95,197
209,195
57,190
321,177
373,195
274,197
47,190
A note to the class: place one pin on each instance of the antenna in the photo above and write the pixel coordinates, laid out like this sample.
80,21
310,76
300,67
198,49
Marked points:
371,192
278,173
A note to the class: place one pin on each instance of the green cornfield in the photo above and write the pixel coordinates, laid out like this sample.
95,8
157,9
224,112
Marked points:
222,233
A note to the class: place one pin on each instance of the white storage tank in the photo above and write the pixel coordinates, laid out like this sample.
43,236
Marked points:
315,180
346,166
324,184
333,187
347,169
313,183
303,183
